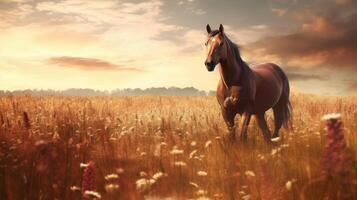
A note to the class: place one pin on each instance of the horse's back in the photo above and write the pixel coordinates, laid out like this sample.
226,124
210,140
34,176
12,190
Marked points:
269,85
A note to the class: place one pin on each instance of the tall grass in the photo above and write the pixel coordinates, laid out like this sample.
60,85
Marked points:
155,147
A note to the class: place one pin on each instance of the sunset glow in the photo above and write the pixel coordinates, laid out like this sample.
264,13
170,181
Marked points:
127,44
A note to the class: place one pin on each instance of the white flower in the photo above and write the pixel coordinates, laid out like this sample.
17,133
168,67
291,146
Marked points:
193,143
75,188
144,184
158,175
201,192
208,143
331,116
111,177
192,153
176,151
92,194
111,187
246,197
249,173
202,173
288,185
120,170
275,151
143,174
194,184
83,165
180,164
275,139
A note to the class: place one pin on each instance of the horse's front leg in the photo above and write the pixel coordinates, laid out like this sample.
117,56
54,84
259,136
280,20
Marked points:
245,119
228,117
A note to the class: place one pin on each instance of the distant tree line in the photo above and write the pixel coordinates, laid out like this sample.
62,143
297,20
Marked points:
170,91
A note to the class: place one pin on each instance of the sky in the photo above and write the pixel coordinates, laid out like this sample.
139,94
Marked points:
160,43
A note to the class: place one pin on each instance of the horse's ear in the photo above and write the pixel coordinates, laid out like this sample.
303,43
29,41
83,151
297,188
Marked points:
208,28
221,29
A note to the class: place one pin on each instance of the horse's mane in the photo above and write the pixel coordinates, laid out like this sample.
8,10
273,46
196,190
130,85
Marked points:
236,53
246,73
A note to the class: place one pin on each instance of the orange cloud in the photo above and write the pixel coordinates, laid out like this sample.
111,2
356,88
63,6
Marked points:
87,63
324,42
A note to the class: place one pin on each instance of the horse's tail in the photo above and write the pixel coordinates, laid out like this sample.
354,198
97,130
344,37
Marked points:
284,101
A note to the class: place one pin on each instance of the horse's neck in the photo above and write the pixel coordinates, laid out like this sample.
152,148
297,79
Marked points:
231,71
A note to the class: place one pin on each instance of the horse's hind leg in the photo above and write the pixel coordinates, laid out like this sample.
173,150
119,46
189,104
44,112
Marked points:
245,124
263,126
278,120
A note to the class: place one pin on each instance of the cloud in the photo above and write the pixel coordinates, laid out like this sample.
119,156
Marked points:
295,76
87,63
322,42
279,11
343,2
352,86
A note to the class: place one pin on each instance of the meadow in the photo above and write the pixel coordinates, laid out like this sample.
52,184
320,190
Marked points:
165,147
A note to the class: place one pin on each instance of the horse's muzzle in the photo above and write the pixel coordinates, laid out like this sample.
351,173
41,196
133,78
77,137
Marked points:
210,65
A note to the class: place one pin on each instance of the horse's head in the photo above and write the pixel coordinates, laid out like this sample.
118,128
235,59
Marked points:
214,46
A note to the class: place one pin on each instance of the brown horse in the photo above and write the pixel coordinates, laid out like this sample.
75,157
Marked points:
247,91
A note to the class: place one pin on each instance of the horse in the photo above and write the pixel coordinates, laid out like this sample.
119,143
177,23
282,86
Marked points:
247,91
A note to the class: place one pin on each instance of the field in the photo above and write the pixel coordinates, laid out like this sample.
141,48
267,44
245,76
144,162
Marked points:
153,147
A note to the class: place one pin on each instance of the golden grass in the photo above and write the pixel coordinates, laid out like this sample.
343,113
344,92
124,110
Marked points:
154,147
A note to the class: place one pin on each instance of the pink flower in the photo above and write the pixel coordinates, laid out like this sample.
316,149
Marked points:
88,178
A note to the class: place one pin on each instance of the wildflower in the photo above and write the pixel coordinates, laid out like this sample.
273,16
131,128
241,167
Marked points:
193,143
176,151
336,162
55,136
208,143
40,142
83,165
111,187
192,153
288,185
201,192
120,170
194,184
111,177
75,188
275,139
143,174
246,197
144,184
275,151
91,194
261,157
180,164
142,154
158,175
249,173
333,157
202,173
88,177
331,116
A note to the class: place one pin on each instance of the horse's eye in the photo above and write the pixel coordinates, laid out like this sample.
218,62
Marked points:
206,43
221,44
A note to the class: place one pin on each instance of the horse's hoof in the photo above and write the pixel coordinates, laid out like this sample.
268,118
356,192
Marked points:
275,135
